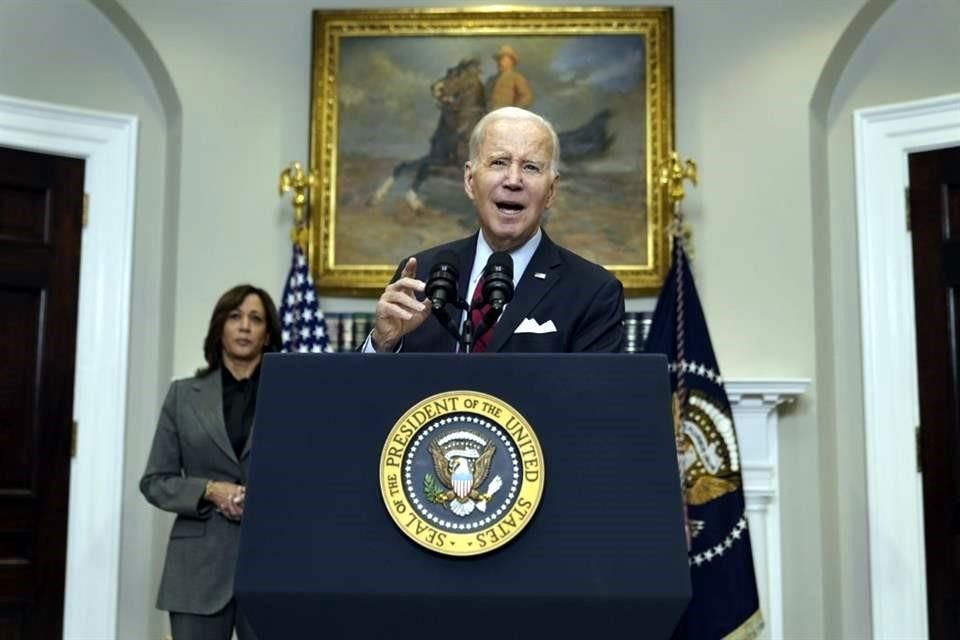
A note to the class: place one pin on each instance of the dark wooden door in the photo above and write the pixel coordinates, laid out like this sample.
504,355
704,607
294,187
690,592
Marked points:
935,226
41,209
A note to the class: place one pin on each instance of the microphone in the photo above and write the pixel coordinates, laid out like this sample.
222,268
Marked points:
498,280
442,282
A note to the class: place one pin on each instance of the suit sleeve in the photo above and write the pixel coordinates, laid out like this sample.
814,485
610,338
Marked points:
163,483
601,328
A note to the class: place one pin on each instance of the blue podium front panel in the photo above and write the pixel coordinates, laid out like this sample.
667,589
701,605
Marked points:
603,553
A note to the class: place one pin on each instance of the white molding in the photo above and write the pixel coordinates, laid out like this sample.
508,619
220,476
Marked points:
754,404
108,143
767,390
883,137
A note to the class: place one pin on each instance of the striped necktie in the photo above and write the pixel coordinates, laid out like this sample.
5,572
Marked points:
477,312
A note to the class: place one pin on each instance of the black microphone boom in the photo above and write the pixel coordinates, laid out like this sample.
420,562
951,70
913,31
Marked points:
498,280
442,282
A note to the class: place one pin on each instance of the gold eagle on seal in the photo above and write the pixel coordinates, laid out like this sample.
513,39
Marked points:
462,470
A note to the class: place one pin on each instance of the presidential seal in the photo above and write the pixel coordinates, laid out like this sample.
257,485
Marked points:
461,473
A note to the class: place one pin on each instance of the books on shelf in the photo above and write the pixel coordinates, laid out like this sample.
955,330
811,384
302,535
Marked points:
348,330
636,326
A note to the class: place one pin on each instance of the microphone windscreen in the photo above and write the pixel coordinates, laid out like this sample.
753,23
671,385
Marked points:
500,261
448,258
441,286
498,280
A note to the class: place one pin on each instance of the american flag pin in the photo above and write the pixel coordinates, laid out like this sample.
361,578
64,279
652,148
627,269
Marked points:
540,274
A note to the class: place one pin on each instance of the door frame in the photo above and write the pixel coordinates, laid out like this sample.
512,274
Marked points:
883,138
108,144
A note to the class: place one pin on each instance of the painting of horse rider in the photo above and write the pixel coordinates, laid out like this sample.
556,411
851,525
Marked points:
405,107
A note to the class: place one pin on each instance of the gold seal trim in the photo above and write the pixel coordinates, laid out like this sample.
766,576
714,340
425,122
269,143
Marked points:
410,431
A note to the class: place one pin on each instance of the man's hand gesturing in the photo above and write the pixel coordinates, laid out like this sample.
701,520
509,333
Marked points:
398,310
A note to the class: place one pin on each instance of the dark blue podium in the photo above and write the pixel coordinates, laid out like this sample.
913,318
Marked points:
604,554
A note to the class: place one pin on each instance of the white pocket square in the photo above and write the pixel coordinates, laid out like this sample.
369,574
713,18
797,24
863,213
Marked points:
529,325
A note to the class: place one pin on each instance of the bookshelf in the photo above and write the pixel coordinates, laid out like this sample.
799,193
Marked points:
348,329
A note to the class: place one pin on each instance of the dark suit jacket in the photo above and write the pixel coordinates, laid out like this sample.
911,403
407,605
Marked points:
584,301
190,447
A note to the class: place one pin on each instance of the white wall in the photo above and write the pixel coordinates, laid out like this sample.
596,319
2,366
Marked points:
911,52
68,53
745,73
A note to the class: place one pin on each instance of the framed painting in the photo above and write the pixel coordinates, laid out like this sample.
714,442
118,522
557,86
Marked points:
396,92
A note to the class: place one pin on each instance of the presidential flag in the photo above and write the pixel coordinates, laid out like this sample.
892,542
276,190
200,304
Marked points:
301,322
725,603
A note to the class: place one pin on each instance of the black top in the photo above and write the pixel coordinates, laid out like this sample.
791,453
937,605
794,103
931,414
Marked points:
239,405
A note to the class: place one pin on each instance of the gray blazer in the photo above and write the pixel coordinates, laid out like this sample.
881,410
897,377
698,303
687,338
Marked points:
190,447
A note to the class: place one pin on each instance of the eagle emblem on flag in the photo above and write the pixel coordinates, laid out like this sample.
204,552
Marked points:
707,450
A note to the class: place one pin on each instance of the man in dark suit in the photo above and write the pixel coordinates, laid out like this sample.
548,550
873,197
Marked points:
562,303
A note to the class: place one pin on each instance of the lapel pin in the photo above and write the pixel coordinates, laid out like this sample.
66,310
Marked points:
540,274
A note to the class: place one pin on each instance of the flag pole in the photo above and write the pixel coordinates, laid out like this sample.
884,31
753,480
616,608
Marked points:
294,179
302,324
673,173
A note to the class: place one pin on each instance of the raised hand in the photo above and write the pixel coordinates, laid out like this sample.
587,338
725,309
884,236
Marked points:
398,310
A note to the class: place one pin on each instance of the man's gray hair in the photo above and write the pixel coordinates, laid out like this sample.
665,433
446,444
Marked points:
513,113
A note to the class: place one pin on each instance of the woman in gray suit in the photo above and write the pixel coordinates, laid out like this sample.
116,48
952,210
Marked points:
198,467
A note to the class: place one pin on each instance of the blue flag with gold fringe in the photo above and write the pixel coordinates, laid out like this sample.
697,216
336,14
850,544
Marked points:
725,602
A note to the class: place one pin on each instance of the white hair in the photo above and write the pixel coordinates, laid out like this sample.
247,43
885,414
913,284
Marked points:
514,113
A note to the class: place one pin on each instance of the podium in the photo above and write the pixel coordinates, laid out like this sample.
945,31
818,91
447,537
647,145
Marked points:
604,552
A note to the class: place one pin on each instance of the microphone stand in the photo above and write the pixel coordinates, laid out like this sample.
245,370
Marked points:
465,339
468,334
489,319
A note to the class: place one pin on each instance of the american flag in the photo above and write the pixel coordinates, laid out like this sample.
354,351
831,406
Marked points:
302,325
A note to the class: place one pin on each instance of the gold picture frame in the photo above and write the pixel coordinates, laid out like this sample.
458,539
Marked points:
389,159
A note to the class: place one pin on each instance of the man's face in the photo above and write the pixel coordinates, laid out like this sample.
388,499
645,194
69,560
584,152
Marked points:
505,63
511,182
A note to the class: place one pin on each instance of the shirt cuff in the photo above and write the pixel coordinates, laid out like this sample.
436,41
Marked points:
368,345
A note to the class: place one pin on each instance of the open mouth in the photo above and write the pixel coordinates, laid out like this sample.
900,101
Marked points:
509,207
